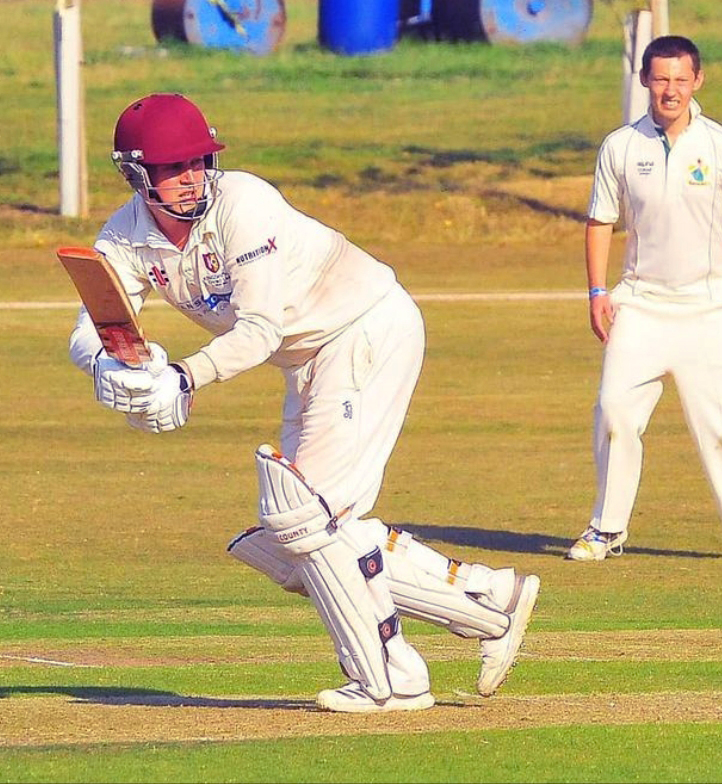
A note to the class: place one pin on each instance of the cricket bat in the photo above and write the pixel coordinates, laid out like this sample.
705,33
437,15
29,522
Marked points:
107,303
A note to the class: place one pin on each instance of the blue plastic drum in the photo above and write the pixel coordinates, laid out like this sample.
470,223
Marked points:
256,26
358,26
525,21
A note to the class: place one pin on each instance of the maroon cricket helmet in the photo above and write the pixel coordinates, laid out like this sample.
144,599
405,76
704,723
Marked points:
165,128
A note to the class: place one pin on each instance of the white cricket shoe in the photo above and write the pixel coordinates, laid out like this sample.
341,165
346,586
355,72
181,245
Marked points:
351,698
594,545
498,655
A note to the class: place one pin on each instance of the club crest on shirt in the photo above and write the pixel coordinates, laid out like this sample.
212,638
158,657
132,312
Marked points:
699,173
211,262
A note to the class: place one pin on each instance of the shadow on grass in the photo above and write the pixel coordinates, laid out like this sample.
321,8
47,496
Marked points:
535,544
30,208
104,695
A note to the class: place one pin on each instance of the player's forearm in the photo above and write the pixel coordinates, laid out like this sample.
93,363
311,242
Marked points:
597,245
249,344
84,343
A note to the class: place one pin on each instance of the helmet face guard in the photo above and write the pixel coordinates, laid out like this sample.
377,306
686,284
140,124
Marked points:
136,175
165,128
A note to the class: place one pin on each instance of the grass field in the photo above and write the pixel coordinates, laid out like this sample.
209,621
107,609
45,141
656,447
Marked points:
132,648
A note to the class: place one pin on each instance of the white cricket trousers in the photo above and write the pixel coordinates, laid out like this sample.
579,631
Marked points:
344,409
648,341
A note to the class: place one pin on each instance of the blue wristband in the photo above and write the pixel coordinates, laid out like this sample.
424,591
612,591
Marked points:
597,291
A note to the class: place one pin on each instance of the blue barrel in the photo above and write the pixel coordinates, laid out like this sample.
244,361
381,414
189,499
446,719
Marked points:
512,21
526,21
358,26
256,26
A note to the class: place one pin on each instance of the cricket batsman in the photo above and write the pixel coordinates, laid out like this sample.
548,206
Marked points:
271,284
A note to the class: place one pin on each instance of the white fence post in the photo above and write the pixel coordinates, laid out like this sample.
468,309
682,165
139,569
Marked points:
68,52
637,36
660,17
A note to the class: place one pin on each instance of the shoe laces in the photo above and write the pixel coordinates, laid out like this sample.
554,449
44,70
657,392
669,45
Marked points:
610,540
594,535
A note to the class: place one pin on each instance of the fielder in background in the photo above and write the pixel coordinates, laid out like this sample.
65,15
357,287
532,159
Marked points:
664,174
274,285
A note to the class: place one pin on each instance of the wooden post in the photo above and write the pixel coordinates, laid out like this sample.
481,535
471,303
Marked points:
68,51
637,36
660,17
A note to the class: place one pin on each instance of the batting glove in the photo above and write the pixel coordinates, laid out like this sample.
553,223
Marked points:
170,406
126,389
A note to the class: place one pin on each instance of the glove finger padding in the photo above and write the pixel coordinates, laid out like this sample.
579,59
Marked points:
169,406
114,383
125,389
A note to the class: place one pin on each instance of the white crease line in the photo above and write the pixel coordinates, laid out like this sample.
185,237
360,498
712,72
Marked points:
58,305
36,660
502,296
481,296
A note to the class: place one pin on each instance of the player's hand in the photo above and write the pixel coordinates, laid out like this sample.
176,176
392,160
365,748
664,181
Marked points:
102,364
126,389
170,406
601,316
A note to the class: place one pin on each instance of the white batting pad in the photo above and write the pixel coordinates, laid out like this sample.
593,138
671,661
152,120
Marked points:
407,670
295,516
339,591
426,585
292,513
254,548
423,583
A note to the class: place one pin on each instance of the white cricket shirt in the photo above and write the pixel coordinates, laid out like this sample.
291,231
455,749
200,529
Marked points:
671,202
271,283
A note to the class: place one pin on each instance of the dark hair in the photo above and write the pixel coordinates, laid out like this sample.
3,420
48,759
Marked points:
670,46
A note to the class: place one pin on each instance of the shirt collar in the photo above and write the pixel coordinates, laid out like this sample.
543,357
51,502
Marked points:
147,234
694,112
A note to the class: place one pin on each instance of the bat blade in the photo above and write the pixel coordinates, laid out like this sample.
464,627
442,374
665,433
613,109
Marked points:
107,304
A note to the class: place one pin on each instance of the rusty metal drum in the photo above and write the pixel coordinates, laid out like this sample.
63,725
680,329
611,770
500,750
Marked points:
256,26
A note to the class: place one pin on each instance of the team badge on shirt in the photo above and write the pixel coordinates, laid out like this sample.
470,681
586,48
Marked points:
699,173
211,262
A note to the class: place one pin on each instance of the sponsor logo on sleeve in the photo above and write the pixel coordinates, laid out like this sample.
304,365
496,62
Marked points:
266,249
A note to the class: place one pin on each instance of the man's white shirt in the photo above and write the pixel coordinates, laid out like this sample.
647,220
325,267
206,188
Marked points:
268,281
671,202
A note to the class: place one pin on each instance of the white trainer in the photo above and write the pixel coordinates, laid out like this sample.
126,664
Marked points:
351,698
594,545
499,655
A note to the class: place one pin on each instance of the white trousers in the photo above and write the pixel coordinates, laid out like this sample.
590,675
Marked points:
343,412
648,341
345,408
